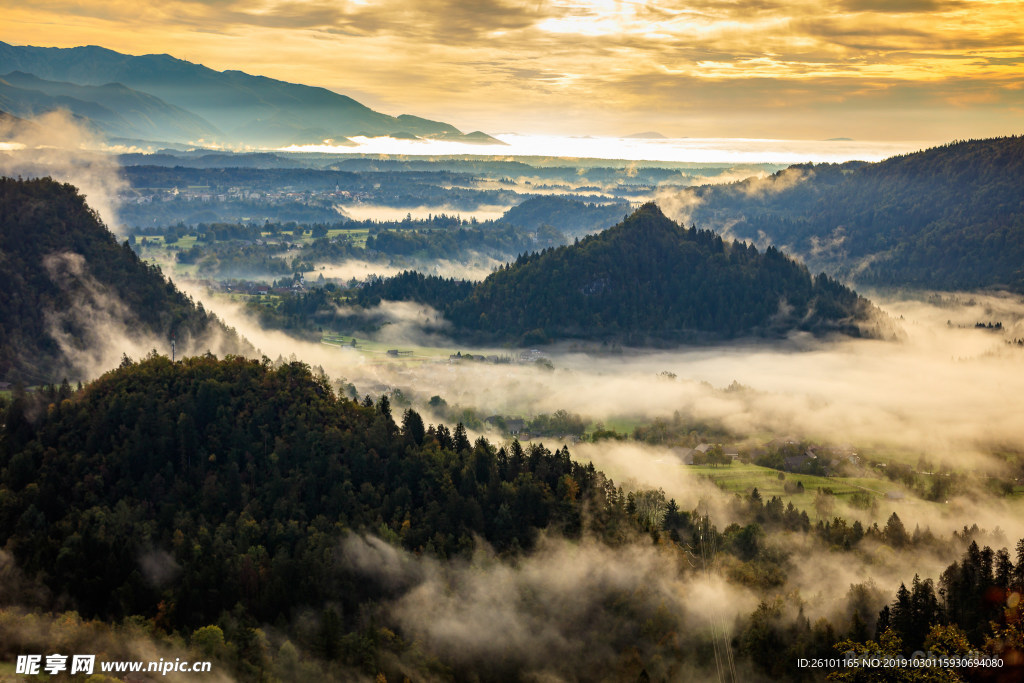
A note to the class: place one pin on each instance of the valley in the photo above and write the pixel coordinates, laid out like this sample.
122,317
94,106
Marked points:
302,390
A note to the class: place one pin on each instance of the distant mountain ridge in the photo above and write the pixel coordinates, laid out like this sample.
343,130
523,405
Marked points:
645,281
238,107
114,109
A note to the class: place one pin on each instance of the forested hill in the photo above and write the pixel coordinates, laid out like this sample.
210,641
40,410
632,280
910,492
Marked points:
645,281
69,286
573,217
951,217
208,490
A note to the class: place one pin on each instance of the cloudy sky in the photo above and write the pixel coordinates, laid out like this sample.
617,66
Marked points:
865,69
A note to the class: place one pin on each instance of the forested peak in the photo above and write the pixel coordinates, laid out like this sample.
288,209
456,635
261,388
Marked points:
649,217
157,377
60,205
648,209
649,237
645,281
246,476
648,229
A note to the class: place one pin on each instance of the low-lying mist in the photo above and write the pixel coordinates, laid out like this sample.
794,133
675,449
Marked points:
570,609
567,611
55,144
475,267
98,329
945,388
370,212
949,393
690,150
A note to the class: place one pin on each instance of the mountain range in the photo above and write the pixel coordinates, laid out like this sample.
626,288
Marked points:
158,98
112,109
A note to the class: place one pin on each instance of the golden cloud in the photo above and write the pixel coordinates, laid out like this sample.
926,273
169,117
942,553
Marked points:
506,64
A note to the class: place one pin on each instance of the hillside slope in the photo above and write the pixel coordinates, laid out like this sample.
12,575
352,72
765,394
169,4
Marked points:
196,492
69,287
951,217
570,216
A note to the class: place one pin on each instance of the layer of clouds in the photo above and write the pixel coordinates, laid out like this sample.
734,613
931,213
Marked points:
364,212
474,267
689,149
699,67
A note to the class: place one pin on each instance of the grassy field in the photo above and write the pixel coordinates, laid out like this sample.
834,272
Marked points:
186,242
379,350
742,478
358,236
264,299
622,425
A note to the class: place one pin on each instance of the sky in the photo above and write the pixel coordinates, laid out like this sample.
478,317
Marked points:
933,70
